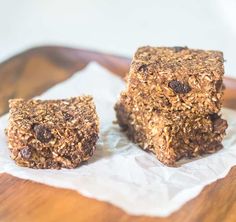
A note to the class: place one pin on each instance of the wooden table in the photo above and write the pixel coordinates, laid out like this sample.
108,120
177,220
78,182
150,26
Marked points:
31,73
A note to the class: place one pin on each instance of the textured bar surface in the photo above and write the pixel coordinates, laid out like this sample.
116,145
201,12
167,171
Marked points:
170,136
172,102
52,133
178,79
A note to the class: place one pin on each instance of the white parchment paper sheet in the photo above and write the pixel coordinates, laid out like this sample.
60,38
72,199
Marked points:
120,172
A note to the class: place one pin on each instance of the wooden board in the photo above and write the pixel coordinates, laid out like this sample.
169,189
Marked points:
31,73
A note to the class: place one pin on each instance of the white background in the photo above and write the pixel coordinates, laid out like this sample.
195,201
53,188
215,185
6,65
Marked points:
119,26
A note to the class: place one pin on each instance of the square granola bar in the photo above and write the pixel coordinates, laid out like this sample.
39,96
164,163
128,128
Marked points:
178,78
52,133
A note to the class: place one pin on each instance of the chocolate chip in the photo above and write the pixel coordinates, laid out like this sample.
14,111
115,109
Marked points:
179,48
179,87
214,116
43,134
67,116
143,68
219,125
26,152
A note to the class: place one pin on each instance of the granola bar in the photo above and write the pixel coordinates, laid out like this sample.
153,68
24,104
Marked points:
178,79
52,133
170,136
172,102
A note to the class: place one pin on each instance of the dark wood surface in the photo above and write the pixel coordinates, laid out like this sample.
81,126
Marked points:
31,73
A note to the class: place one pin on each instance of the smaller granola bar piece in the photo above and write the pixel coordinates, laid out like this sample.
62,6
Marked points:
51,134
178,79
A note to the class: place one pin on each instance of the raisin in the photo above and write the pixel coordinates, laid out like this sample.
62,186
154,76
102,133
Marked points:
179,87
43,134
179,48
143,68
214,116
67,116
219,126
26,152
